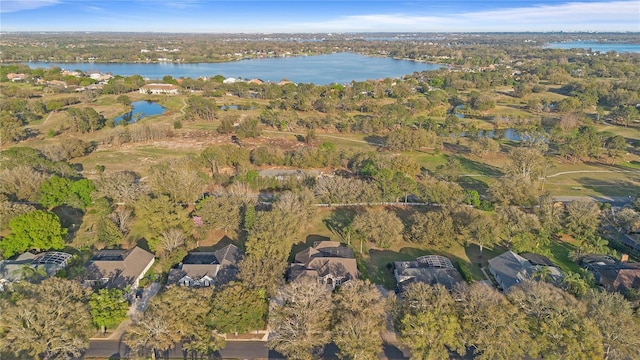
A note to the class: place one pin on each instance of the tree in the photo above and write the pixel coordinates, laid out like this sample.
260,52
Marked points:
86,119
616,147
556,322
358,319
614,317
177,315
108,232
484,146
300,319
222,212
108,308
519,229
35,325
434,228
58,191
428,323
513,190
9,210
526,162
120,186
575,284
381,227
171,239
21,183
582,217
238,309
38,230
177,178
491,325
158,215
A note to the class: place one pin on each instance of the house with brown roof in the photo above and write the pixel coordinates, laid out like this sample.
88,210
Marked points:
612,275
118,268
157,89
203,269
428,269
329,262
16,77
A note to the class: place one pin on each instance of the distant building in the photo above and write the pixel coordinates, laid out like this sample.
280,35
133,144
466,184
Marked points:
118,268
157,89
329,262
13,270
16,77
203,269
429,269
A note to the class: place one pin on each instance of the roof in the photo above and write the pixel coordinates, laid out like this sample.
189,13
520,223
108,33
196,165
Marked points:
325,258
221,265
121,267
159,87
537,259
228,255
51,262
510,269
616,276
430,269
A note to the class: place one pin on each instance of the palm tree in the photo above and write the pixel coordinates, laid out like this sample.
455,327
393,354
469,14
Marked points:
542,273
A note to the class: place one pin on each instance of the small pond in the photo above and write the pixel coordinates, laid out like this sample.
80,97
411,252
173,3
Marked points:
139,110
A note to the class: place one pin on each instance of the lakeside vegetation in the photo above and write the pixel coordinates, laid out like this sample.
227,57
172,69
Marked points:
393,141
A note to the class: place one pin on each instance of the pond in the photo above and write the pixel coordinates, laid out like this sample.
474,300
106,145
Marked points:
140,109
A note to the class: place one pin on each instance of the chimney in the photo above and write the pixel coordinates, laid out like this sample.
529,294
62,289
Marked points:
624,258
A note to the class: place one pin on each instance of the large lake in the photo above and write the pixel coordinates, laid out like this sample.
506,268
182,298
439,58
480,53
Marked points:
601,47
321,69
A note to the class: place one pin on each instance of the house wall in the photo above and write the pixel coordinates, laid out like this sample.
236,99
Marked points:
135,283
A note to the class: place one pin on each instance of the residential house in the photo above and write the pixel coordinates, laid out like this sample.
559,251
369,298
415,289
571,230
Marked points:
203,269
615,276
118,268
429,269
157,89
510,269
16,77
49,262
329,262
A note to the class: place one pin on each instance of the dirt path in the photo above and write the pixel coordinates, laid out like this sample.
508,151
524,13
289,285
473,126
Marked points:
47,119
184,105
592,171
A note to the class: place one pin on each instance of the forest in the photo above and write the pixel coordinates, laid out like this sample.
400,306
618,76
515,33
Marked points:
511,147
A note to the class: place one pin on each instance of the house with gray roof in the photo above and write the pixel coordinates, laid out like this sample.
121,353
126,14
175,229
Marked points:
429,269
329,262
510,269
203,269
46,264
615,276
118,268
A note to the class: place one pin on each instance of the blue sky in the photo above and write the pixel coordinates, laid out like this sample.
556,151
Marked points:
207,16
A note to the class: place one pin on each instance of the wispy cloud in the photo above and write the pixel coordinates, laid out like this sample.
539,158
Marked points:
7,6
574,16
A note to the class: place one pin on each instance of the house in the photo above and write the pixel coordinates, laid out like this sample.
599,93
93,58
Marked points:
329,262
510,269
284,174
203,269
49,262
429,269
118,268
615,276
16,77
157,89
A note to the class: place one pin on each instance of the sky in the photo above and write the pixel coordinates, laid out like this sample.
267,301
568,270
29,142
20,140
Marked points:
327,16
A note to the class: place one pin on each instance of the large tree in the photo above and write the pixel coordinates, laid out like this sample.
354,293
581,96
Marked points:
383,228
491,325
300,319
615,319
38,230
108,308
238,309
180,179
46,321
358,319
556,322
428,323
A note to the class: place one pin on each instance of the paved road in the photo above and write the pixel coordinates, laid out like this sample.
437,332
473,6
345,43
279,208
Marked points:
613,200
115,349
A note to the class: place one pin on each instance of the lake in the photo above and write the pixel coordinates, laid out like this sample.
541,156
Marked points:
338,68
601,47
140,109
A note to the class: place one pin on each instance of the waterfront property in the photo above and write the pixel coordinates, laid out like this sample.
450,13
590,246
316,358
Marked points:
158,89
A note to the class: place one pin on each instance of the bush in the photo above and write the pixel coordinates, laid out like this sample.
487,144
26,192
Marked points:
465,271
177,124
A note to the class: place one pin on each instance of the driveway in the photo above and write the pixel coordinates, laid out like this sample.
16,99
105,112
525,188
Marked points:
139,305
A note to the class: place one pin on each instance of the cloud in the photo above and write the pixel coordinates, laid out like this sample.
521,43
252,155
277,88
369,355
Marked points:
574,16
8,6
